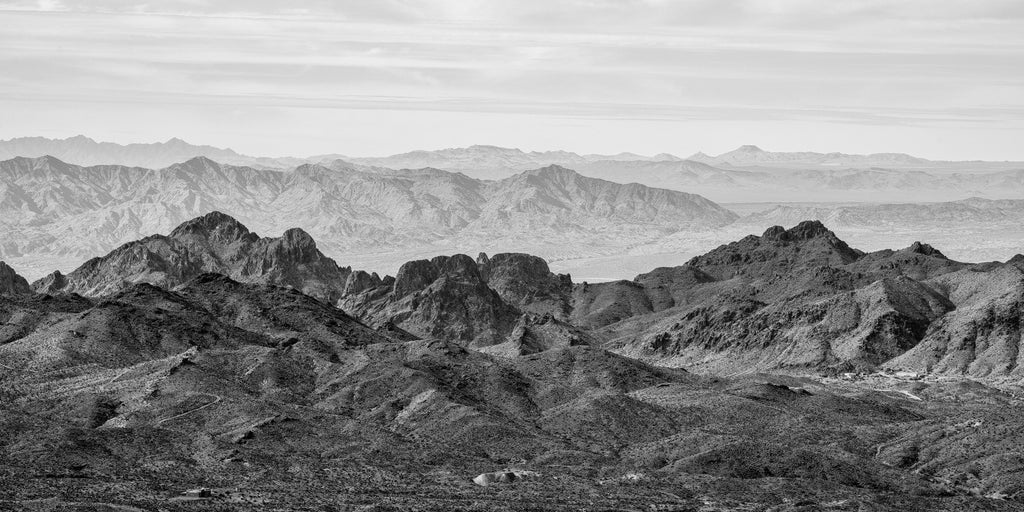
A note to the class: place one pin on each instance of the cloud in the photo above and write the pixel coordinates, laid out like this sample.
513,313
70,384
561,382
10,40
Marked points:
879,63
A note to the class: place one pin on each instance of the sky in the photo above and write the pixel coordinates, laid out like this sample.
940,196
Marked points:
938,79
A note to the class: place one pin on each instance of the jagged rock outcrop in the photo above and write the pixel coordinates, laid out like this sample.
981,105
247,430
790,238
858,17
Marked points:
215,242
445,297
797,298
778,251
791,298
360,280
526,282
52,283
919,261
11,283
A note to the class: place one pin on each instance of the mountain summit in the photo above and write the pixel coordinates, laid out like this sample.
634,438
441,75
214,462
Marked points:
215,242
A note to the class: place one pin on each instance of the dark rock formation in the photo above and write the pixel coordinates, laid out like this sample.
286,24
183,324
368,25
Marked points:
526,282
53,282
11,283
212,243
444,297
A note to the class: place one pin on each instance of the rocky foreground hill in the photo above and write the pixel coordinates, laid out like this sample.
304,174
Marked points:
760,376
795,300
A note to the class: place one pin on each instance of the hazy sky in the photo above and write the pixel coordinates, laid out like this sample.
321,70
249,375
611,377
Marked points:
940,79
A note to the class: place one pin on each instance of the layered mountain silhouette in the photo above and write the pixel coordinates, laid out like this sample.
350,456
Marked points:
212,243
82,150
750,155
58,210
746,174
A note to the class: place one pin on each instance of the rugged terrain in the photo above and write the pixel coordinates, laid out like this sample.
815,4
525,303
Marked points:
787,371
64,201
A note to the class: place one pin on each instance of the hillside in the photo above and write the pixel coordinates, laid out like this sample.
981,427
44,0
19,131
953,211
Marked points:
798,300
270,398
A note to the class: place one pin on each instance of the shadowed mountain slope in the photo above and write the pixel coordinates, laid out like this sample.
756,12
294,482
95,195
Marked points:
233,386
212,243
11,283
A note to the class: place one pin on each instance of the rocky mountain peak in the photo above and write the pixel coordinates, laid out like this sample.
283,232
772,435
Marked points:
774,233
294,247
215,242
925,249
808,244
49,161
414,276
359,281
525,281
201,162
807,230
457,265
52,283
11,283
213,226
553,170
297,237
520,266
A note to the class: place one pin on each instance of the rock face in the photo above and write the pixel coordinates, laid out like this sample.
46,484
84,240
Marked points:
445,297
212,243
791,298
778,251
11,283
52,283
526,282
510,300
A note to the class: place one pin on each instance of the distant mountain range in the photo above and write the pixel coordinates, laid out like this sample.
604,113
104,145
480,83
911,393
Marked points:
82,150
749,155
490,162
747,174
52,209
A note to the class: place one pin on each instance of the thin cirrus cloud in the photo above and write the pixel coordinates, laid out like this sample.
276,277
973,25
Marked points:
638,75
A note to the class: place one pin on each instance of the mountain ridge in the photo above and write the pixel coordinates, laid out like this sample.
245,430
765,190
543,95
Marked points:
799,299
56,209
